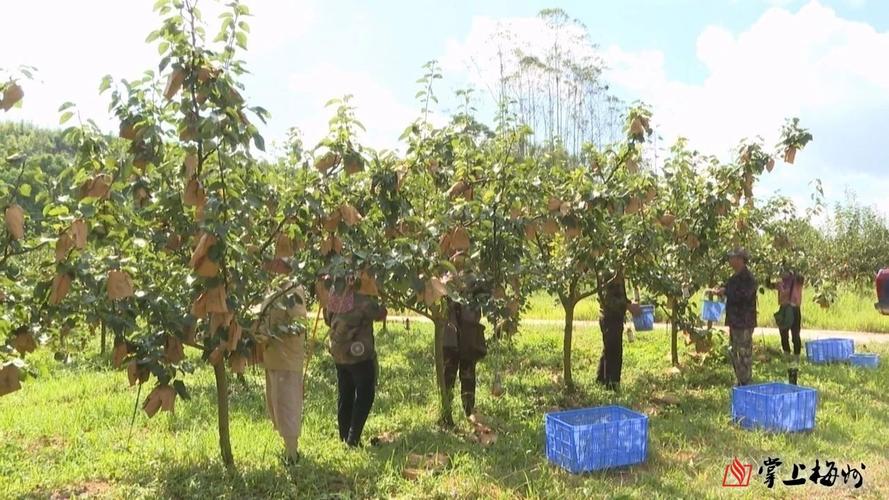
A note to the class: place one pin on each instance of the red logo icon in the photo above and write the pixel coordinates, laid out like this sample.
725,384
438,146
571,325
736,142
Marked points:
737,475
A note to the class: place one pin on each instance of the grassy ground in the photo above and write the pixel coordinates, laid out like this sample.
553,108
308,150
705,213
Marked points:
67,433
853,311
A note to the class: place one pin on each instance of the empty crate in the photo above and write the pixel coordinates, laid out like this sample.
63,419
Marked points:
645,321
829,350
596,438
774,407
865,359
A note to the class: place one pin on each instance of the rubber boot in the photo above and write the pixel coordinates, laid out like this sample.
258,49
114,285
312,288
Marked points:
792,376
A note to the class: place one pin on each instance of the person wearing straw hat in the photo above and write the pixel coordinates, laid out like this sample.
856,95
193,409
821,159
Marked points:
740,314
283,323
350,316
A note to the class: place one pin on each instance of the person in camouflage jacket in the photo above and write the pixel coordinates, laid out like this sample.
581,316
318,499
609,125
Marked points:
350,316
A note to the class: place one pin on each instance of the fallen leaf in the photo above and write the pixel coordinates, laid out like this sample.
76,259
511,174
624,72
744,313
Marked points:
384,438
412,474
666,399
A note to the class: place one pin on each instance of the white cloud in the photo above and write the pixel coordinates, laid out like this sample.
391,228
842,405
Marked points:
74,44
810,63
489,39
377,108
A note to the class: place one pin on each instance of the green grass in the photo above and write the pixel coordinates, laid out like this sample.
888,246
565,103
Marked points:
853,311
67,432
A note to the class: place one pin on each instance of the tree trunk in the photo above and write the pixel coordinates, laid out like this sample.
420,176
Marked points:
568,305
225,444
102,346
674,336
445,414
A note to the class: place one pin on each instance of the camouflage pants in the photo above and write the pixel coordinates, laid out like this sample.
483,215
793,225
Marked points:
742,353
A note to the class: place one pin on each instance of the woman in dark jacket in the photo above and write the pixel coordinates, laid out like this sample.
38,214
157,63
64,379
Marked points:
350,316
464,345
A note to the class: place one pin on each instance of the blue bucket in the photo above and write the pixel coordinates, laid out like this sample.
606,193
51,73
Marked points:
712,310
645,321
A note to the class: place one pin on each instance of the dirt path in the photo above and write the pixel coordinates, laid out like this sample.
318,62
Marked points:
858,337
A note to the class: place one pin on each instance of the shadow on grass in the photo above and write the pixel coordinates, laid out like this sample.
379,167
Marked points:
202,480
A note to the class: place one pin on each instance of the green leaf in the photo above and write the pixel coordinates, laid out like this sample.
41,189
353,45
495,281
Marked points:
25,190
259,142
55,210
65,117
241,38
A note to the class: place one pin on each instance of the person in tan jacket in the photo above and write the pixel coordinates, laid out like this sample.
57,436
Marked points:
284,362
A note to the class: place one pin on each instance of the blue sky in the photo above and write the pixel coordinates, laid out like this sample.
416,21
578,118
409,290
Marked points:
714,70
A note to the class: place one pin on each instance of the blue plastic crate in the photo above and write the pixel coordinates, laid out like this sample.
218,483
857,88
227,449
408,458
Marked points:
596,438
775,406
645,321
829,350
865,359
712,310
